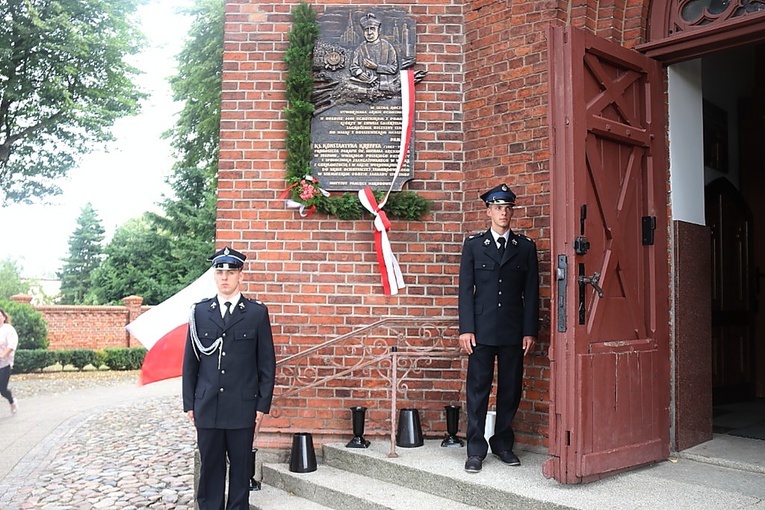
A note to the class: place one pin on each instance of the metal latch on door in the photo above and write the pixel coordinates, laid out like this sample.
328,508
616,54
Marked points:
592,280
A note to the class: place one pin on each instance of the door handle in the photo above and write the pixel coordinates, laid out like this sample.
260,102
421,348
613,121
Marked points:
592,280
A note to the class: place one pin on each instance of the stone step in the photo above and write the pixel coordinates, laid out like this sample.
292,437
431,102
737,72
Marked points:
433,477
427,477
271,498
345,490
441,472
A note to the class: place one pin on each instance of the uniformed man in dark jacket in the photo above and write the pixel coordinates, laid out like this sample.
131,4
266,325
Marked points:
499,315
228,382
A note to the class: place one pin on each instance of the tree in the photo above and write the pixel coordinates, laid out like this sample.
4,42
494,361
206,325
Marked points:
189,220
28,323
198,84
85,255
63,82
10,280
190,217
158,254
137,262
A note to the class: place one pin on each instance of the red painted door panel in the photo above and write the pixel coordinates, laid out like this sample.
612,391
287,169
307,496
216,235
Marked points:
610,352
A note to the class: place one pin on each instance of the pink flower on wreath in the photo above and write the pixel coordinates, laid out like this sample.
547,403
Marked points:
308,190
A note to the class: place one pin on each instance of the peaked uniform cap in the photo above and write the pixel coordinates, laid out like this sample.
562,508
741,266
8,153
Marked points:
498,195
227,258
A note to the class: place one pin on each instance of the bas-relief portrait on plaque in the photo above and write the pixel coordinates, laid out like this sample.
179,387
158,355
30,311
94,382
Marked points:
356,130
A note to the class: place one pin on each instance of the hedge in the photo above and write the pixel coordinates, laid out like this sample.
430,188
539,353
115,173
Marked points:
122,358
33,360
28,323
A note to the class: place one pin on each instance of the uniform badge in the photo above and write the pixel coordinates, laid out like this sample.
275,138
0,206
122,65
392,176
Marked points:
486,242
514,242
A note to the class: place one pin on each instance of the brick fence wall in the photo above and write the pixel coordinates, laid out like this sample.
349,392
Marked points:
89,327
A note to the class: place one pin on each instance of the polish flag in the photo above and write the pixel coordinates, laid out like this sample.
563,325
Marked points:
162,329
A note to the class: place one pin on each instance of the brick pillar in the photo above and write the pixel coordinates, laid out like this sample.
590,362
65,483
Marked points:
22,298
133,305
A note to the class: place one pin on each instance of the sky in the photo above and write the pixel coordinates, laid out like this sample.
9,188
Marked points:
121,182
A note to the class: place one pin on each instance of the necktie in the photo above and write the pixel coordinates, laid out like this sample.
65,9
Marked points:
227,314
501,242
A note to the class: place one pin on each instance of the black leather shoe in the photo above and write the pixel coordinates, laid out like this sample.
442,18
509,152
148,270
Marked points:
473,464
508,458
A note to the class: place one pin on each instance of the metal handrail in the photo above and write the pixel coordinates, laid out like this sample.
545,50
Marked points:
408,353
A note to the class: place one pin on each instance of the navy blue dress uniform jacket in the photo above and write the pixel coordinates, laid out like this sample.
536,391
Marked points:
499,299
227,397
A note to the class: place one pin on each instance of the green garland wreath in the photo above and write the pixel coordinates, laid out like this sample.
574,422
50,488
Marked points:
406,205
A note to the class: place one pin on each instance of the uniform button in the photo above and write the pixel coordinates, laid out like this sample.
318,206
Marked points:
500,292
222,371
499,305
221,390
224,335
223,353
500,280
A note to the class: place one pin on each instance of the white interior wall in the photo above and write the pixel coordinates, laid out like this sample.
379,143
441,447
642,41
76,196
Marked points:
686,152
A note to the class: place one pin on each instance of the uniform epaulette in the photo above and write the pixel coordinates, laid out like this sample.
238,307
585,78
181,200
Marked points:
205,300
256,301
521,236
476,236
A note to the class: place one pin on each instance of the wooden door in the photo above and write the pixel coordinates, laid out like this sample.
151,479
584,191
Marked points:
610,377
733,300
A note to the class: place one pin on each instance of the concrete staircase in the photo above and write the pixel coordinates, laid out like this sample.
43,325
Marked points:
721,474
423,478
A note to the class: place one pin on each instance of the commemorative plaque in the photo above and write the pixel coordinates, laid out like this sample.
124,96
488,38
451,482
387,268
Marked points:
357,126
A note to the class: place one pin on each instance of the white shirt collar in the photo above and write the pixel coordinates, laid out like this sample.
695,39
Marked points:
233,300
497,236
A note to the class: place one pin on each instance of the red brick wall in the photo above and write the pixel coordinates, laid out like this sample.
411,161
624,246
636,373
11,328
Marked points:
506,140
89,327
481,119
319,275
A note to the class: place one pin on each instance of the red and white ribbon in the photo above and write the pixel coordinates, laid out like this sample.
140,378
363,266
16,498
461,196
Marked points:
392,279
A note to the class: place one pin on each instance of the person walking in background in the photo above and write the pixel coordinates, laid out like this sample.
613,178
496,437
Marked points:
498,318
9,342
229,367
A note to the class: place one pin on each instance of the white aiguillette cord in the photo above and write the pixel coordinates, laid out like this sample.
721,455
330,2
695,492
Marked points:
197,343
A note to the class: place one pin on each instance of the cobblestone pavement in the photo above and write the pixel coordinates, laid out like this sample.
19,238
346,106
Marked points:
137,455
56,383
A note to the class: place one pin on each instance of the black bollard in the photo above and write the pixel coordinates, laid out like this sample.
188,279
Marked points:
409,429
452,426
303,454
358,441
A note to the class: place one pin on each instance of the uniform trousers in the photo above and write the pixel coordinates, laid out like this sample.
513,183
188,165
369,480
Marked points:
214,446
480,374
